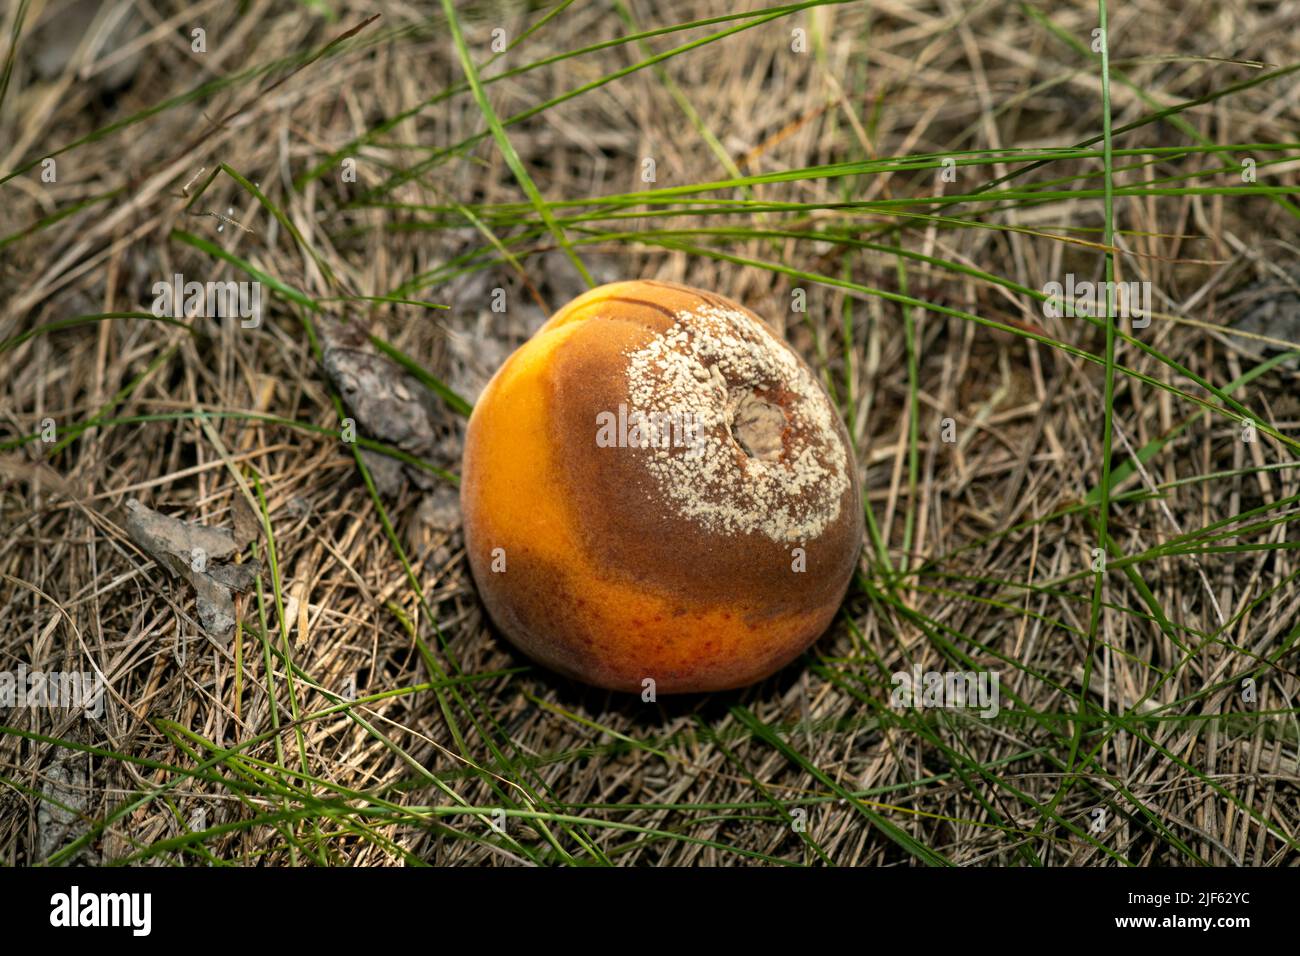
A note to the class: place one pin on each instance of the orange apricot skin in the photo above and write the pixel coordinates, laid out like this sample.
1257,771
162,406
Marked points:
537,510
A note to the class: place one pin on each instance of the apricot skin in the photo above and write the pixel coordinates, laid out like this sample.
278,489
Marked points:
579,564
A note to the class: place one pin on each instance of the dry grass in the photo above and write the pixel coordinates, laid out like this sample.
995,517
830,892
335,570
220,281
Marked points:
684,781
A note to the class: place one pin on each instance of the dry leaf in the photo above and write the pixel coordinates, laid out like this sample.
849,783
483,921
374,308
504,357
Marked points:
201,555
